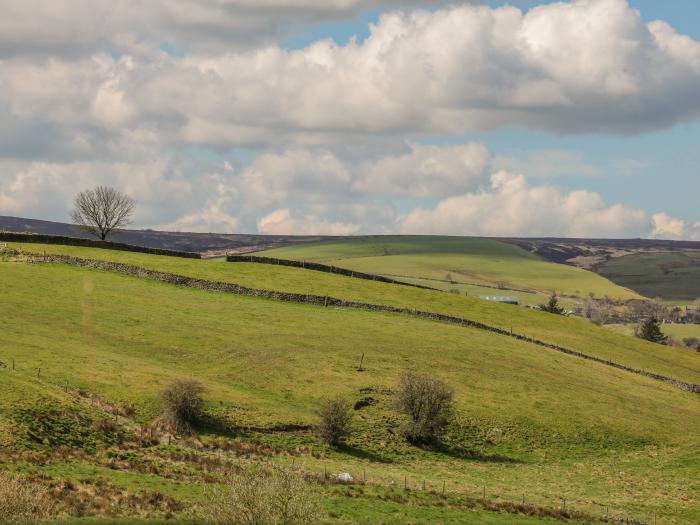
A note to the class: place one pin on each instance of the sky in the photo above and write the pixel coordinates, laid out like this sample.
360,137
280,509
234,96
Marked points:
577,118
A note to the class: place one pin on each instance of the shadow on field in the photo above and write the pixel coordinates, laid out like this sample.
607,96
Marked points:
362,454
474,455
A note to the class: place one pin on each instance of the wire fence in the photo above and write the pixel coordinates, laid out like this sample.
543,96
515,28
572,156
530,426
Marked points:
455,493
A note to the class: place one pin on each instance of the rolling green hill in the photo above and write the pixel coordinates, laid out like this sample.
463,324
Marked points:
674,276
569,332
457,262
531,422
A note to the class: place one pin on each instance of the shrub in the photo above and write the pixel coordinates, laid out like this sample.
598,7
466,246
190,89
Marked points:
552,306
336,420
280,496
22,502
182,405
692,342
428,403
650,330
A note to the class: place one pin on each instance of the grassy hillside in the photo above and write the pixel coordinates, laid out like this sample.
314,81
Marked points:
673,276
573,333
531,421
462,260
679,331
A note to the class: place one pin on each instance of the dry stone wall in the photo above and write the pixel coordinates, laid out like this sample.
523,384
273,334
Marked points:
319,300
38,238
320,268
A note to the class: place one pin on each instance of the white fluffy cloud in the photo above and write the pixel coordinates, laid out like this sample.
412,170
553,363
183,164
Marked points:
666,227
582,66
427,171
511,207
152,97
78,27
314,192
281,222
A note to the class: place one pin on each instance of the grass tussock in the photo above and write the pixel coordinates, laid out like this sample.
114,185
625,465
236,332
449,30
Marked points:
264,497
22,502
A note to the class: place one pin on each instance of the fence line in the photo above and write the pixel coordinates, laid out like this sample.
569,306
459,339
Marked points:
478,497
474,495
319,300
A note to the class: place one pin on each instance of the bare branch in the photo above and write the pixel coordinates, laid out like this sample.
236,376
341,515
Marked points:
102,210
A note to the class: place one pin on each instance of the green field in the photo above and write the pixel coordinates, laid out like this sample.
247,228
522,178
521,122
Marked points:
531,422
464,260
672,276
680,331
569,332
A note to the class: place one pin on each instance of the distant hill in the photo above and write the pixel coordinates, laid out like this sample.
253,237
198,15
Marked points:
649,267
472,265
653,268
206,243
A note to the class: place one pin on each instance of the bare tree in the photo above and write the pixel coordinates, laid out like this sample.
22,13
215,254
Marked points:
428,404
101,210
336,421
182,405
599,311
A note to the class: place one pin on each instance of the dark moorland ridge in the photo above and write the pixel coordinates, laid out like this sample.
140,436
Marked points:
554,249
205,243
566,251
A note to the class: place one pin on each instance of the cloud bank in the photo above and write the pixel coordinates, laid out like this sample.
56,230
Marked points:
158,98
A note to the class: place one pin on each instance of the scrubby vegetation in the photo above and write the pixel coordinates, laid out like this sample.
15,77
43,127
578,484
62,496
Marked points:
271,496
182,405
22,502
427,403
336,420
692,342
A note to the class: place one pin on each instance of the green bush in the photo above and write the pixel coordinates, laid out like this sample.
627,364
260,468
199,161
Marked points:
552,306
650,330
